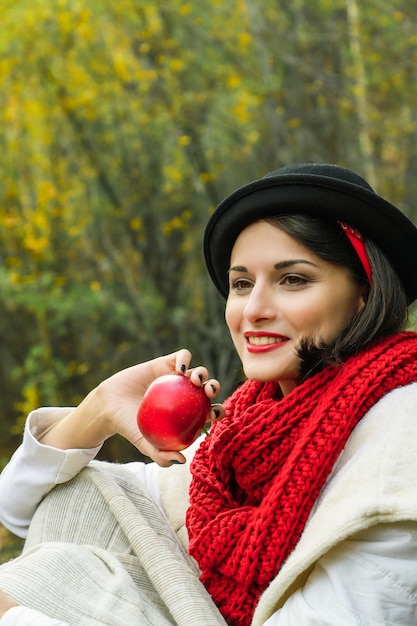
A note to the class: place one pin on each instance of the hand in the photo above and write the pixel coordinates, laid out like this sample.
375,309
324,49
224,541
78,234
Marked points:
121,395
6,603
112,407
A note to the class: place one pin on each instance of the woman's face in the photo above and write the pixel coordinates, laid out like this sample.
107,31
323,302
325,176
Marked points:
280,293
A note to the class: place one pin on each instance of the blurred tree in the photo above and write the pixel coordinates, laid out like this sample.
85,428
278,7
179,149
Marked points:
124,123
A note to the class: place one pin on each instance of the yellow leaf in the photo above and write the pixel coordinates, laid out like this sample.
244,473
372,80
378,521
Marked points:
185,9
294,122
233,81
184,140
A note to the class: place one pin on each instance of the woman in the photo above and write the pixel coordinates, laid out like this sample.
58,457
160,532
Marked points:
301,505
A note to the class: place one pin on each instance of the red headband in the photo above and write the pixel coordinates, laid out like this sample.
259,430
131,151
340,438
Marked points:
356,239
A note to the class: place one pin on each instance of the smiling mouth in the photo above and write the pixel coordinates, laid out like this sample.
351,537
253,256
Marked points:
264,340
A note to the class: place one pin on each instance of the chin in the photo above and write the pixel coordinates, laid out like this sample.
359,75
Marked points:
260,376
264,372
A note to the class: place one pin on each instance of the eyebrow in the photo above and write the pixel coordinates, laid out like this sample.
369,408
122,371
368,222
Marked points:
277,266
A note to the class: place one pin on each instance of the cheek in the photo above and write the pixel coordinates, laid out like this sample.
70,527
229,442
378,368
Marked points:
231,316
313,319
306,317
227,315
327,321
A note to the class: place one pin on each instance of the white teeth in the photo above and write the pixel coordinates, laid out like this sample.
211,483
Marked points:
261,341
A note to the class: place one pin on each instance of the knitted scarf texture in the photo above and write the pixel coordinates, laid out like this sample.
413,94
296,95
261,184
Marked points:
259,473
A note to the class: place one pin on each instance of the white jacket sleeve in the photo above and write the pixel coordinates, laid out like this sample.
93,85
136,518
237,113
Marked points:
368,580
34,469
22,616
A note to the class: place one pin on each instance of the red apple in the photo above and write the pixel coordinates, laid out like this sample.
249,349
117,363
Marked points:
173,412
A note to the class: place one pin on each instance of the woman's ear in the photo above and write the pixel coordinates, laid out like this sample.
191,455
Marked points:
363,297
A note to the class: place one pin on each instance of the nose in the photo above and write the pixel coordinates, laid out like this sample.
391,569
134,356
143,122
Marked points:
260,305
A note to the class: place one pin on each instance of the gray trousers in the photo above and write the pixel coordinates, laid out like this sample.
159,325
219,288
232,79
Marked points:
100,551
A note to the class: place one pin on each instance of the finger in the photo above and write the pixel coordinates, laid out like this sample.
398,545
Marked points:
217,413
198,375
212,387
182,360
166,458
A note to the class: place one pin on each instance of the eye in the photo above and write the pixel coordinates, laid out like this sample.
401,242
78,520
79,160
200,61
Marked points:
294,280
241,285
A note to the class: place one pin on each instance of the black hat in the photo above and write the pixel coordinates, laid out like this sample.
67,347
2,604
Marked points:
321,190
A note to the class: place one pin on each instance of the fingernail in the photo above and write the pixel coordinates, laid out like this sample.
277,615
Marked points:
200,377
216,413
183,368
175,462
211,385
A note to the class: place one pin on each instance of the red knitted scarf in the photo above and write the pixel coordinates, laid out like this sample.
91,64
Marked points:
258,474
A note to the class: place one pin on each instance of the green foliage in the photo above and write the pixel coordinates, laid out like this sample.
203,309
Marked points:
10,545
124,123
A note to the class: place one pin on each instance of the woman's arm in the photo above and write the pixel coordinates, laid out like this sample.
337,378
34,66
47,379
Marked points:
58,443
111,408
